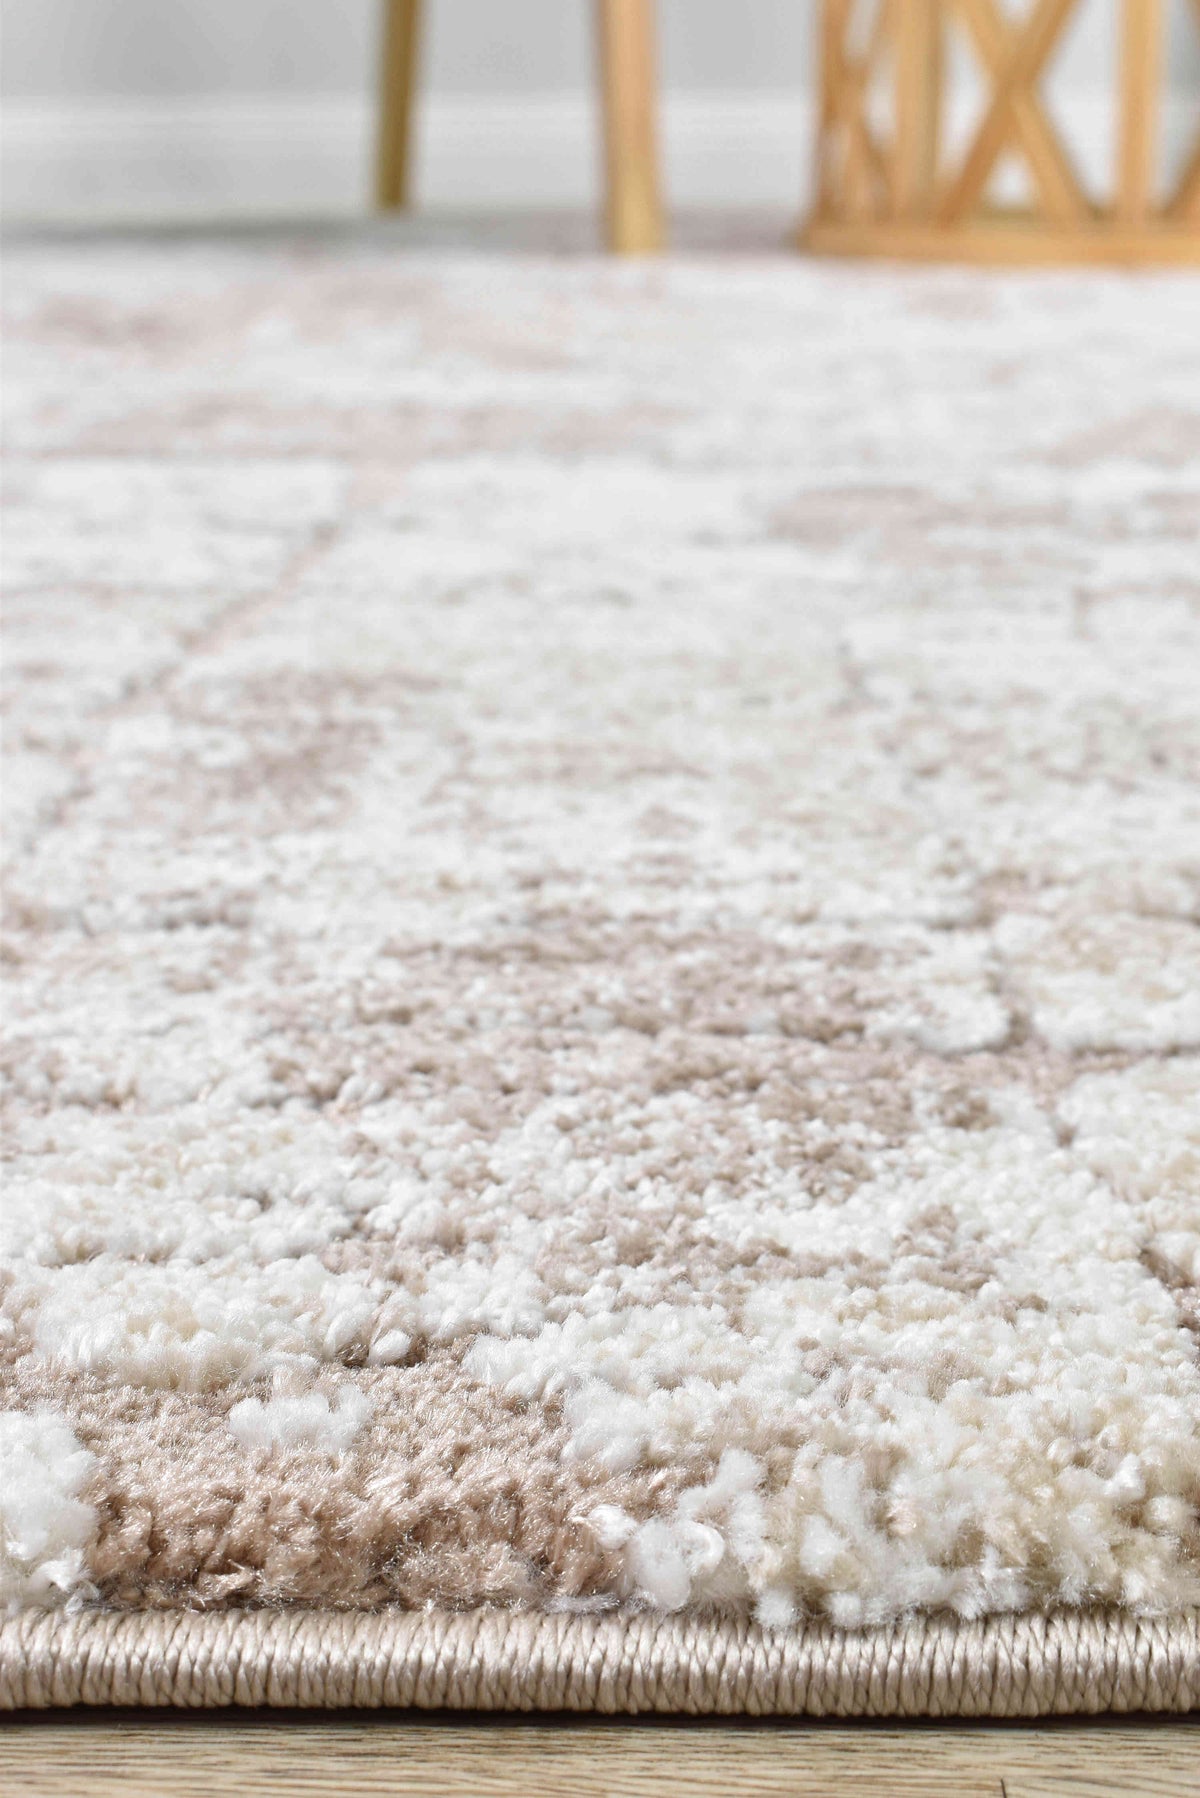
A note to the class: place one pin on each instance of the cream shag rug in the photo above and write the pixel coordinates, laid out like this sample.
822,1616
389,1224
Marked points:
603,968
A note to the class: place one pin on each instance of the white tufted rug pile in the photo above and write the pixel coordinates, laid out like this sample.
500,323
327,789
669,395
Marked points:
603,984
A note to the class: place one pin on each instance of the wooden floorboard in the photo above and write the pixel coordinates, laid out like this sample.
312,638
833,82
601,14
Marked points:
90,1755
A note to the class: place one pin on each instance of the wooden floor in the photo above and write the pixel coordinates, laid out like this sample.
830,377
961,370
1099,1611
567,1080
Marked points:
78,1754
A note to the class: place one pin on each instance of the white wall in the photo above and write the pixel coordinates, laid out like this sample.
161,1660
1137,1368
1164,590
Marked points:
211,107
83,48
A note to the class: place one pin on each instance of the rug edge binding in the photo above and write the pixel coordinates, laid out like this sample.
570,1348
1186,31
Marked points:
1063,1663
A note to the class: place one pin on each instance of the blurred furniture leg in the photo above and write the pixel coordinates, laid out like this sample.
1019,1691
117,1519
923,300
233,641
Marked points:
397,82
627,78
626,55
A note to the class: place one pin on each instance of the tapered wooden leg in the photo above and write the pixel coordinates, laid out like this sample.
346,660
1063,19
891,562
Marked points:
627,78
397,84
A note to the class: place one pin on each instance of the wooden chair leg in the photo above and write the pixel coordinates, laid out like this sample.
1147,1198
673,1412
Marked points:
627,78
397,85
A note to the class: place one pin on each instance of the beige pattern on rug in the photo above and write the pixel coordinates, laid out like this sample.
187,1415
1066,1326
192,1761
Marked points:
602,944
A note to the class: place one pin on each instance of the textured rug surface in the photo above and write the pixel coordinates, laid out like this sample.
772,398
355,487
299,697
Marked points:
602,1064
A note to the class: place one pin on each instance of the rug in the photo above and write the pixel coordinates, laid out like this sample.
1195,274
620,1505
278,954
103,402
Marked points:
602,1066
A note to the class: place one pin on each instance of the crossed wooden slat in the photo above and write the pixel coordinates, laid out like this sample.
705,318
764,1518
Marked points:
1014,56
845,86
869,179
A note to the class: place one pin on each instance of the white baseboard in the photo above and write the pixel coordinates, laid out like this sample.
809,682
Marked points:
240,158
216,158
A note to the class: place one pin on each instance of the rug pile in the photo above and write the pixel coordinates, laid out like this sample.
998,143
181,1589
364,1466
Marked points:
602,1067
